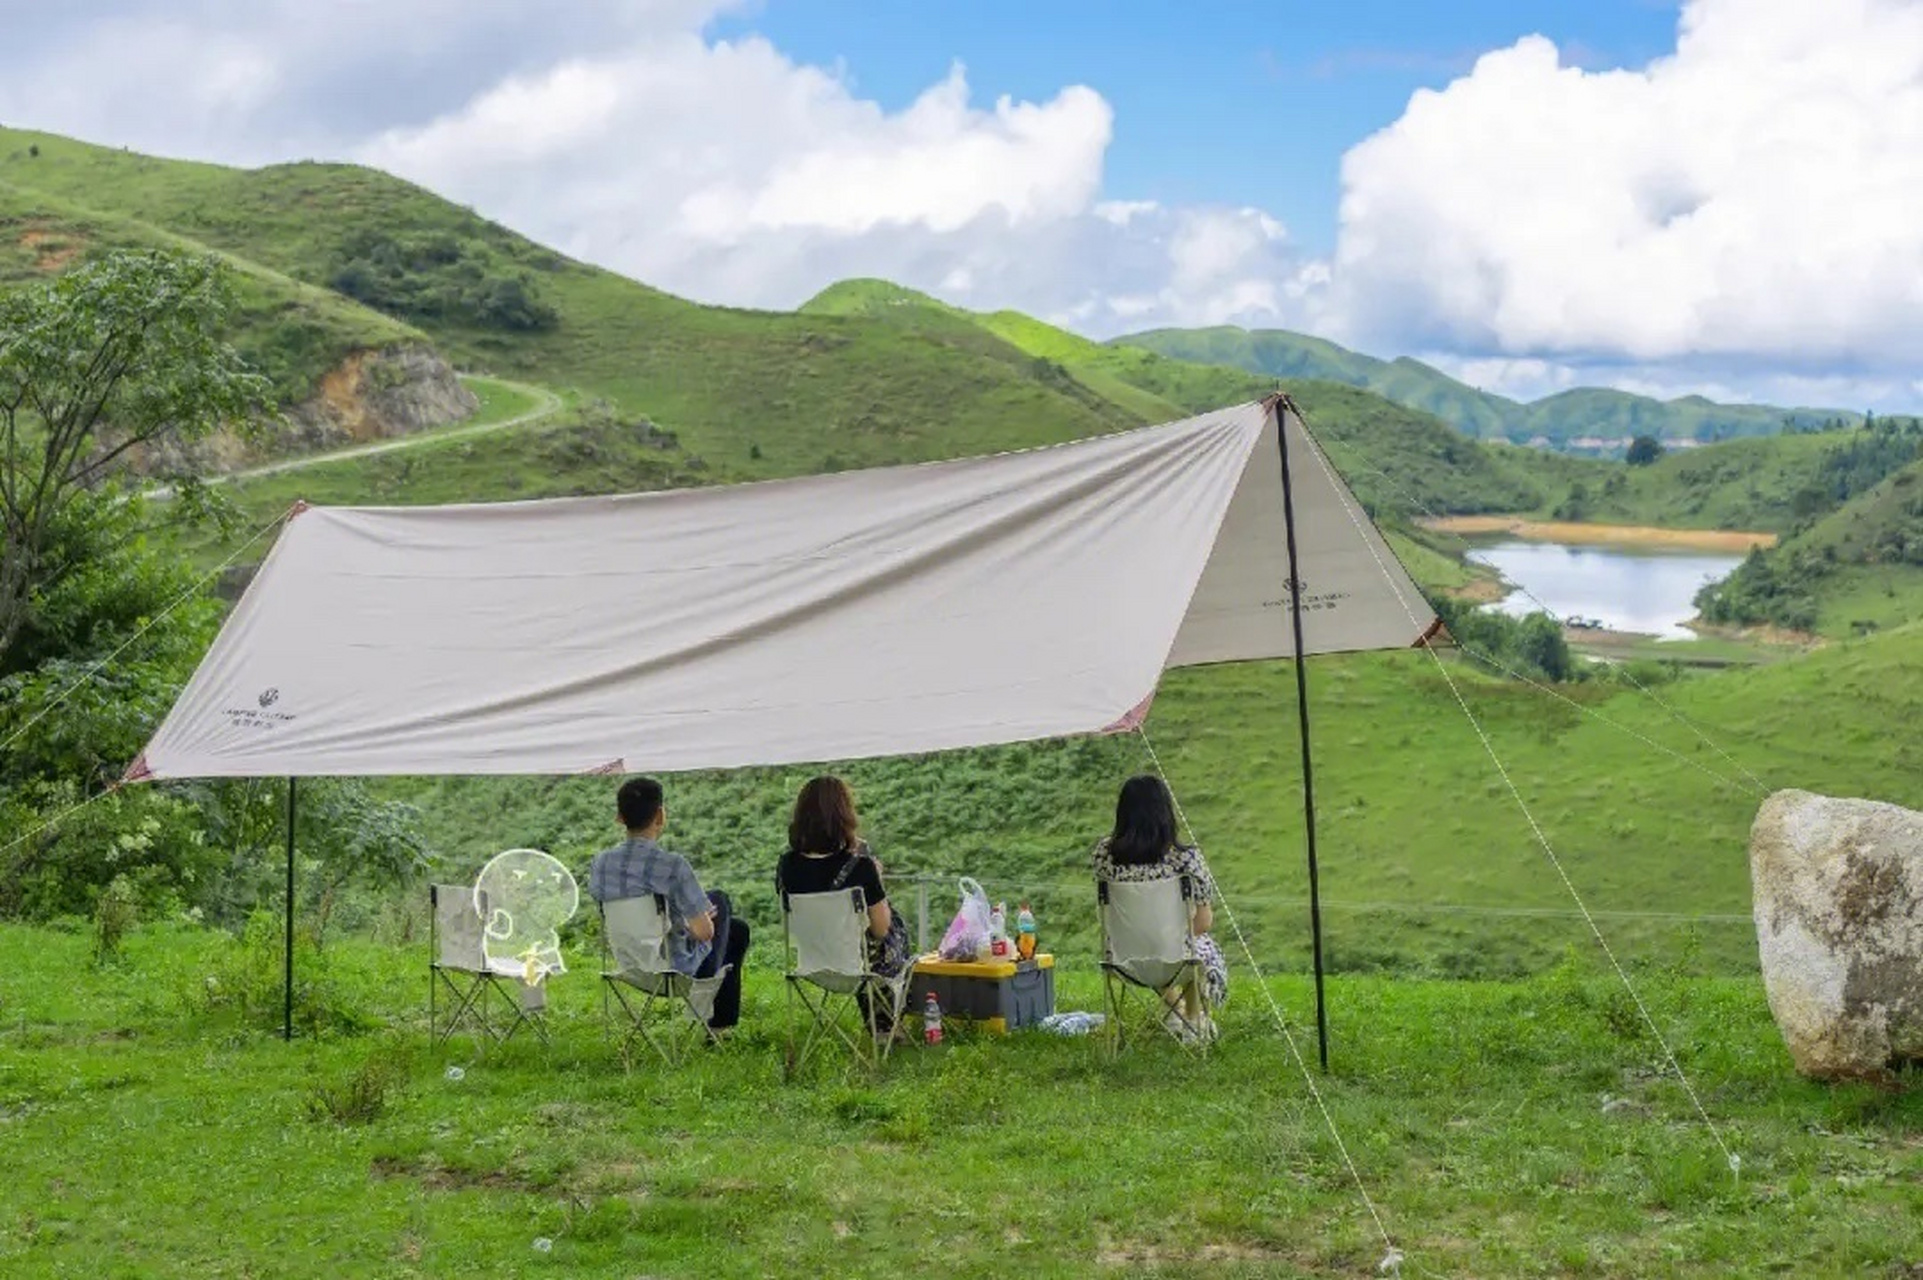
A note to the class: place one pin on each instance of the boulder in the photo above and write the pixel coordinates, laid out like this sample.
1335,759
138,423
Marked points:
1838,888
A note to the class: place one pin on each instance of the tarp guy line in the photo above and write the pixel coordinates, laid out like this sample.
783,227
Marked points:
90,672
143,629
1734,1161
1759,786
1698,765
1391,1259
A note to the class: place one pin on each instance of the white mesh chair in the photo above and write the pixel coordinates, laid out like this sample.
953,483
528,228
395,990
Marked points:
826,938
458,969
661,1006
1148,945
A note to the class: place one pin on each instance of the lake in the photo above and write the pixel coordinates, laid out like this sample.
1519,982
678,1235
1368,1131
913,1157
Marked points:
1639,590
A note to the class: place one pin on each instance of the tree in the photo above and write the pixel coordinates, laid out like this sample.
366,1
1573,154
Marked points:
118,355
1643,450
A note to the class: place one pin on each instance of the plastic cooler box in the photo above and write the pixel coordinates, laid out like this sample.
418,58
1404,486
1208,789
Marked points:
996,995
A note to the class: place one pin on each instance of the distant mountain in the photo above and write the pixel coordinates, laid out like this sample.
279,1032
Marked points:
1398,460
1582,420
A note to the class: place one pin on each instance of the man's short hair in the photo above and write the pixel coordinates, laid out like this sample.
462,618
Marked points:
638,800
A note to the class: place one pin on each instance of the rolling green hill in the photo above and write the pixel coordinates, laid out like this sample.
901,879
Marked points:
291,331
1559,420
1427,864
747,393
1858,568
1399,461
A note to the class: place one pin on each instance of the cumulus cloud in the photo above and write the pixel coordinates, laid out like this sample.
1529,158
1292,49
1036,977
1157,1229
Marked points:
1738,216
1750,199
256,81
724,170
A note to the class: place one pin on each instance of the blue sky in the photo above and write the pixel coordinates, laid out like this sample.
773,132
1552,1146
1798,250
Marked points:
1224,101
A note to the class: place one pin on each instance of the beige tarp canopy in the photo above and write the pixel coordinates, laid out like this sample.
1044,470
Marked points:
880,612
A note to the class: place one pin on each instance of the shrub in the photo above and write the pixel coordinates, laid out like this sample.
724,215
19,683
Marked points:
114,916
361,1097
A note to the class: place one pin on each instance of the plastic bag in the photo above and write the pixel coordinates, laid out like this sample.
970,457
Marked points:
967,934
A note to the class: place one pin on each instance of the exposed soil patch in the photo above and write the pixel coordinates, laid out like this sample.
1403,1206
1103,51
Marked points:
1780,637
1480,591
1136,1254
1624,535
442,1178
52,250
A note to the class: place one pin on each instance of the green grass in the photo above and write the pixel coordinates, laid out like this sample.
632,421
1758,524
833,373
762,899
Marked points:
1427,865
291,331
1396,459
151,1131
1869,596
500,400
1433,569
1701,651
752,393
1738,484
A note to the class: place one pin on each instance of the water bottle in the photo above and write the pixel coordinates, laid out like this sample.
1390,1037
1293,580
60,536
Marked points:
1025,933
931,1020
998,932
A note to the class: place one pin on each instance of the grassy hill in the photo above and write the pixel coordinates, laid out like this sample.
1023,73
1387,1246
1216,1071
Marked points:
1856,568
748,393
668,392
1558,420
1398,460
290,330
1471,1108
1427,866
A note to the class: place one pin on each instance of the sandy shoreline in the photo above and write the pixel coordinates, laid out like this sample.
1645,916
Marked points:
1622,535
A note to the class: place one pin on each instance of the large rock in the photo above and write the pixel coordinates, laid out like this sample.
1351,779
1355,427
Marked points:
370,395
374,395
1839,919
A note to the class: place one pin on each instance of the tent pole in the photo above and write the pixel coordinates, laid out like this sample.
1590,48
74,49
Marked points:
1282,408
287,973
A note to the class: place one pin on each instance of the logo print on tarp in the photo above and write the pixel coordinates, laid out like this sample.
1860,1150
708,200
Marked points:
270,697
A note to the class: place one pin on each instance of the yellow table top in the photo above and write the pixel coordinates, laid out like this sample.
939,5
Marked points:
933,963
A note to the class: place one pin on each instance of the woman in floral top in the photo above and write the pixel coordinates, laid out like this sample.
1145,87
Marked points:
1143,847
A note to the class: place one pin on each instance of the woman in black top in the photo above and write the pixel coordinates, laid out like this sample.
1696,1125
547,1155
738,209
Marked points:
826,853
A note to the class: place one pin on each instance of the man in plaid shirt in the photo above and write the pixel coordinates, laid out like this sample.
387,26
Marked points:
704,935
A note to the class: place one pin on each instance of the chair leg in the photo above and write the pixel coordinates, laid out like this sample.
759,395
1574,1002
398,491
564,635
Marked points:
468,1006
1112,1001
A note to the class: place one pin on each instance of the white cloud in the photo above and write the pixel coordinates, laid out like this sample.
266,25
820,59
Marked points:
1753,196
255,81
1740,216
1121,212
728,172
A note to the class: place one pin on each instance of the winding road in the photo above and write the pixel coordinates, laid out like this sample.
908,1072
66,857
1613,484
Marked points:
546,404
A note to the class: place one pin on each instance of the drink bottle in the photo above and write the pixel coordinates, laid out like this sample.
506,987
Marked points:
931,1020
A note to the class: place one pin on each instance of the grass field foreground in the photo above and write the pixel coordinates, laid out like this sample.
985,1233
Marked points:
1521,1129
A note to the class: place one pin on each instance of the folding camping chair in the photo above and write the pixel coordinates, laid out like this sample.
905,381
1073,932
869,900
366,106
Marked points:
459,965
1148,945
665,1008
826,937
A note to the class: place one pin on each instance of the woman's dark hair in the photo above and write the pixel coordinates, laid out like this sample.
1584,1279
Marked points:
1144,822
824,819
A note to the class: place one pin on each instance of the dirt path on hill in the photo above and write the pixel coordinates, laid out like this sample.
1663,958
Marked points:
545,403
1623,535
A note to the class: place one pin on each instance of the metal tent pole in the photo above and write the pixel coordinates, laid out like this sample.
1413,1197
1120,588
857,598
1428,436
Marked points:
1282,408
287,975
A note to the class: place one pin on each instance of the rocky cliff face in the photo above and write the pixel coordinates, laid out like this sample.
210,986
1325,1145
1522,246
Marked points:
370,395
374,395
